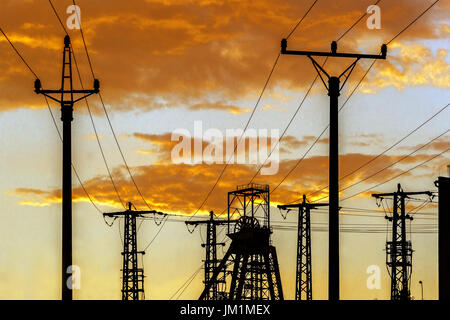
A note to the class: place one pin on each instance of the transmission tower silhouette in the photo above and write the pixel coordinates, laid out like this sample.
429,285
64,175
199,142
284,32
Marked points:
217,287
399,250
132,274
303,275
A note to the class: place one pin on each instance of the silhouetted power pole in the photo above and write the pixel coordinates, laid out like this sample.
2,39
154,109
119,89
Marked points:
333,89
211,261
443,184
399,249
66,100
132,274
303,275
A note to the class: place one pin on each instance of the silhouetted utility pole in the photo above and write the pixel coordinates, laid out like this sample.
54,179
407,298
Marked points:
303,286
66,100
132,274
399,249
211,261
334,89
443,183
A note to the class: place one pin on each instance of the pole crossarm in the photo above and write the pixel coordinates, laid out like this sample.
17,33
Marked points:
139,213
333,52
301,205
47,93
209,221
406,194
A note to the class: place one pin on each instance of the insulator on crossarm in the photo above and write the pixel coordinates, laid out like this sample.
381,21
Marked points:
383,50
67,41
283,45
96,86
37,86
333,47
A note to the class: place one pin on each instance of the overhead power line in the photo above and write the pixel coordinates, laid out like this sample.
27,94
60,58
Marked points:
108,118
243,132
388,166
351,94
412,22
53,119
301,104
385,151
89,111
97,137
404,172
356,22
18,53
103,104
301,20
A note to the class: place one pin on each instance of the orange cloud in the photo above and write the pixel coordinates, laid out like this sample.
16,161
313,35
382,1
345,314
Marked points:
164,185
414,65
219,106
180,52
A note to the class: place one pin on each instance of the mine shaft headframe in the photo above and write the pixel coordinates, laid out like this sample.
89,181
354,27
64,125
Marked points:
249,200
334,52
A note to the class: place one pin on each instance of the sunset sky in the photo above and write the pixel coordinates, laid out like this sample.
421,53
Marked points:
164,64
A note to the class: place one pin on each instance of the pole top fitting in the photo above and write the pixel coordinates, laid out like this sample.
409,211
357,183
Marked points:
283,45
383,51
333,47
37,86
96,86
66,41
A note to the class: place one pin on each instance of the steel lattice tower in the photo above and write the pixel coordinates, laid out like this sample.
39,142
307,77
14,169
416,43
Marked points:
303,275
255,274
132,274
218,286
399,250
